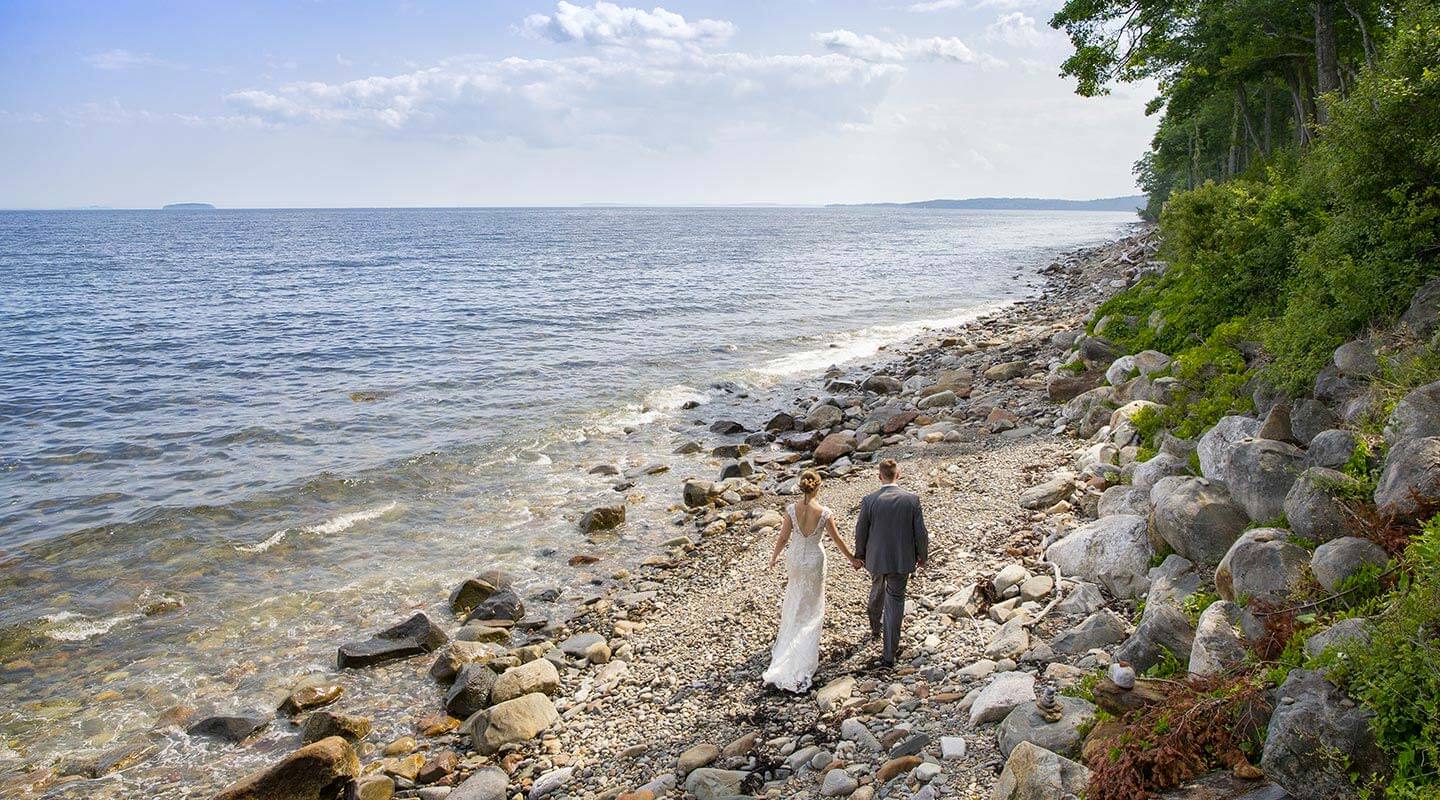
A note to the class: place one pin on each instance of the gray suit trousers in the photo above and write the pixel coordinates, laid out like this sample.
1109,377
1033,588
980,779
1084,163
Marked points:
887,606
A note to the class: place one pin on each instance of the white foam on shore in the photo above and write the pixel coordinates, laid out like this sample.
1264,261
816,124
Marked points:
337,524
72,627
863,343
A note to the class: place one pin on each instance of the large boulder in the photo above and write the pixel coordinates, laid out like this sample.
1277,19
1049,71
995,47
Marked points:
1163,627
1214,447
823,417
1314,506
1259,473
1309,417
325,770
1423,315
1057,488
1336,560
1114,552
1101,629
999,697
1173,581
1331,448
511,722
1090,411
502,604
1025,724
1034,773
834,447
1357,359
1416,416
1410,481
1198,520
1124,500
1314,721
539,675
1220,638
1343,635
1062,385
1263,565
470,593
412,637
1098,352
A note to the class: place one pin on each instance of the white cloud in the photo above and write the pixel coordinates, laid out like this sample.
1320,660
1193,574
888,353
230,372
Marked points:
876,50
1015,29
660,98
610,25
928,6
118,59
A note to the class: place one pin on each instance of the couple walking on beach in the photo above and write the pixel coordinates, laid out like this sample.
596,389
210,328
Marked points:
891,543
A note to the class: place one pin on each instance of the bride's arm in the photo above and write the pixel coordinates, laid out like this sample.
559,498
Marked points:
780,541
839,542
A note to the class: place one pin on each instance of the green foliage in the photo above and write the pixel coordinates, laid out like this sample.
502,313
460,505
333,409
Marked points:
1085,687
1167,667
1195,604
1395,674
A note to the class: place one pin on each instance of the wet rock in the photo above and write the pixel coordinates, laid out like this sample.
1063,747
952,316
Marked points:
471,691
1410,481
1214,447
1314,507
502,604
511,722
1199,520
1262,565
229,727
325,770
454,656
1313,721
708,783
603,518
1162,628
313,692
1336,560
1034,773
414,636
1101,629
1220,638
437,767
470,593
376,787
1026,724
534,676
780,423
324,724
487,783
727,427
881,384
1259,473
1114,552
1004,692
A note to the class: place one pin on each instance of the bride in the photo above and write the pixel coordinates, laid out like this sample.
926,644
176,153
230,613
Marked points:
796,654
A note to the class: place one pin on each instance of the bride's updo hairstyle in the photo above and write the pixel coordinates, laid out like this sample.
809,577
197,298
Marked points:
809,482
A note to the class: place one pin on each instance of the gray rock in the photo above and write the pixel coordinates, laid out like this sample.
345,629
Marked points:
1199,520
943,399
487,783
1332,387
1357,359
881,384
1152,362
501,604
910,745
1010,575
1309,417
1344,634
1084,598
1057,488
854,730
1220,638
1034,773
1162,627
511,722
1002,694
550,782
823,417
961,604
414,636
1313,721
1336,560
1101,629
1011,640
579,645
1410,481
1163,465
1098,352
1314,507
1124,500
1331,449
1174,580
713,784
736,468
1112,551
1025,724
1416,416
1214,447
1262,565
471,691
838,783
1423,315
1090,411
1259,473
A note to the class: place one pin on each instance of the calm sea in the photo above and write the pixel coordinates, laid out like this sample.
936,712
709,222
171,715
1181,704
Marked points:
303,423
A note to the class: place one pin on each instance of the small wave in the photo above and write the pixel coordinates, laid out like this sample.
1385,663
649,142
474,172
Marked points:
334,525
270,541
68,626
673,398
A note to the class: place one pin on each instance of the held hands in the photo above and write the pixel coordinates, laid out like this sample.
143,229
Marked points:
856,563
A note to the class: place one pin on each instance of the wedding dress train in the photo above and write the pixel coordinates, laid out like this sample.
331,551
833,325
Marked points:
796,654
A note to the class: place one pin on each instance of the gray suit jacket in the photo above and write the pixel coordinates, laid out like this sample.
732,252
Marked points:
890,535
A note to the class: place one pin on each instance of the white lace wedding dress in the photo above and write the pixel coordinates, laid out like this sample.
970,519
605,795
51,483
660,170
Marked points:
796,654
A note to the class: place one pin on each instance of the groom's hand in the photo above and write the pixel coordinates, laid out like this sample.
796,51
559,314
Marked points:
920,565
857,563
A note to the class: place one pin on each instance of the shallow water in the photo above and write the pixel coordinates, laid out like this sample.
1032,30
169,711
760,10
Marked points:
303,424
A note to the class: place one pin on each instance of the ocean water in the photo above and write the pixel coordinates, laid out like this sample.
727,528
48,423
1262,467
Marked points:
304,424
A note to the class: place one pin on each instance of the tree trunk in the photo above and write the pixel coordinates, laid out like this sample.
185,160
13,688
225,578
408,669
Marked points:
1327,58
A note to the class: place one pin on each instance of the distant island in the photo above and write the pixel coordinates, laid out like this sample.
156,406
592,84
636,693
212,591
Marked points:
1129,203
189,207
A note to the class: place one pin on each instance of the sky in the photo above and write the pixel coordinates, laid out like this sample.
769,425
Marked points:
304,103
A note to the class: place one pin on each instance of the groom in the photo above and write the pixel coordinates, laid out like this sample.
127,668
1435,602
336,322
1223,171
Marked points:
891,539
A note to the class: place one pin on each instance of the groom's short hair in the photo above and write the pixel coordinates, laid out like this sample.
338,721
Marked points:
888,469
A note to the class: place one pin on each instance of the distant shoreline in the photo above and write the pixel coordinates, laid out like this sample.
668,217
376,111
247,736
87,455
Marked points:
1127,203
